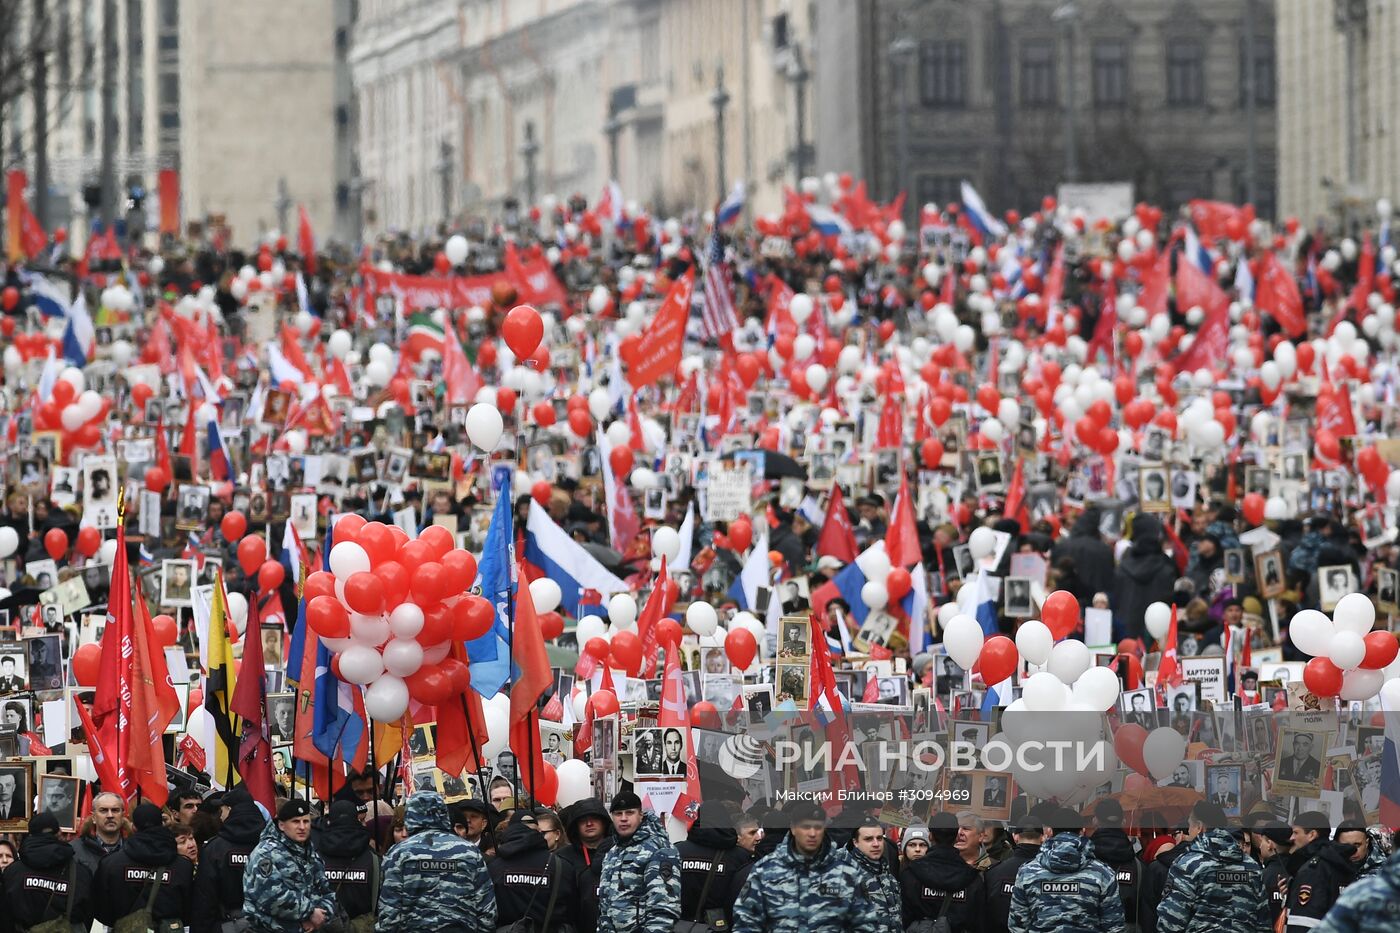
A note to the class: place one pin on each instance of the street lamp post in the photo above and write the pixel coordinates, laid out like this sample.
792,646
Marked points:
720,100
530,151
798,74
901,53
444,169
612,129
1068,16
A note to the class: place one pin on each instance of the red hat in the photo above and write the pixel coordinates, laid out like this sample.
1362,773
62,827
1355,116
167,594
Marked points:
1155,846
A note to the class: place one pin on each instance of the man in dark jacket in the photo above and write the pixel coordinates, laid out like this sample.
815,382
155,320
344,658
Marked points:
525,876
108,819
352,868
1000,879
590,832
710,855
1114,849
1273,841
1146,575
44,881
218,882
1320,869
1093,558
942,883
124,879
1154,882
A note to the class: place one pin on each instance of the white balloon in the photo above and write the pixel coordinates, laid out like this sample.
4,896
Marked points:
1361,684
800,307
546,594
1033,640
74,377
993,430
590,627
1392,485
403,656
575,782
372,631
9,541
1097,688
71,417
619,433
348,558
360,664
237,605
456,249
1311,632
1346,650
874,594
963,637
599,404
1158,619
1163,750
803,347
622,610
377,373
817,378
497,730
406,620
1069,660
643,478
1354,613
340,343
1390,694
874,563
484,426
1045,693
702,618
386,700
666,542
982,542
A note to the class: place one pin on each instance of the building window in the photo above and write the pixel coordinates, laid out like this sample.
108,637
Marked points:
943,73
1110,59
1264,93
65,46
1186,73
168,87
1038,73
780,32
938,190
170,119
169,14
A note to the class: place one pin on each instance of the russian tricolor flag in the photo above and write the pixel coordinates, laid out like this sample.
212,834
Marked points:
1197,253
978,598
978,214
79,337
219,466
1390,767
826,221
557,556
49,298
732,207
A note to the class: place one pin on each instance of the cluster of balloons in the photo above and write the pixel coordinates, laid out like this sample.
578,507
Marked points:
884,583
74,410
1349,660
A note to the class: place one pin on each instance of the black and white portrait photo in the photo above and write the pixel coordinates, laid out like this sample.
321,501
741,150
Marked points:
1333,583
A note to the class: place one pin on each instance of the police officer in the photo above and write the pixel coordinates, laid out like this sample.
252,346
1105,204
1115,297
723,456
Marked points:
352,868
218,881
868,853
1154,883
1366,855
1273,841
149,860
640,888
590,833
284,883
434,879
1320,869
1371,904
1215,886
806,885
1000,879
528,877
710,864
46,882
1114,849
1065,888
942,883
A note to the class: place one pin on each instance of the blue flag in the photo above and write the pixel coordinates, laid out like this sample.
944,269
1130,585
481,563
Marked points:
490,654
336,728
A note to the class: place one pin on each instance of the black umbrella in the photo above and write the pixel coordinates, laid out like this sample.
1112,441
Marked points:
776,465
611,560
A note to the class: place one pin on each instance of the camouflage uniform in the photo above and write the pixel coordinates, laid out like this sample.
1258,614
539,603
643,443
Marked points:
1065,889
1371,904
882,887
434,879
283,883
791,893
640,888
1214,887
1375,857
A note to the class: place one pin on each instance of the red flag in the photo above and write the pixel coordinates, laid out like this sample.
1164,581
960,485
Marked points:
1155,282
111,704
675,714
1277,294
779,321
528,653
660,351
1334,410
15,182
461,726
838,538
652,613
1194,287
1054,284
103,760
1212,218
1179,552
168,186
902,538
459,377
635,438
1103,330
826,700
154,705
890,432
1169,672
249,703
32,237
1016,497
162,448
189,446
306,240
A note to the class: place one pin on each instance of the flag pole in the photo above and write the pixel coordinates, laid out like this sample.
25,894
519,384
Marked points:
373,761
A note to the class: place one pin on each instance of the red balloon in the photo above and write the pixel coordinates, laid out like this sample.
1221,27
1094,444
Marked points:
552,625
1381,649
1100,413
166,631
740,646
415,553
252,551
233,526
430,685
989,398
393,577
442,264
56,542
1253,508
1326,442
460,567
86,664
348,527
1060,613
472,617
63,393
157,478
270,575
748,368
998,659
438,538
597,649
378,542
319,583
327,617
9,298
427,584
364,593
899,583
580,422
939,409
438,625
740,535
542,784
668,632
603,704
1127,742
626,652
523,331
932,452
704,715
140,395
540,492
620,459
1323,677
89,540
458,672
